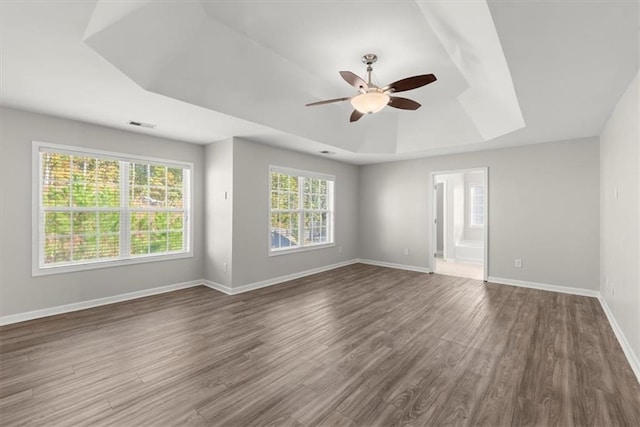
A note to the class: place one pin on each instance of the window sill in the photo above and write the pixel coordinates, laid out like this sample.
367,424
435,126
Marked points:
73,268
278,252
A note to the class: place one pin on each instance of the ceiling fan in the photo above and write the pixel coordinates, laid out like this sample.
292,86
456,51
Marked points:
371,98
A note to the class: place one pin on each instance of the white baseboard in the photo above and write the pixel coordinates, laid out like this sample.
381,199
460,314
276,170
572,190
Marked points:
394,265
68,308
217,287
622,339
274,281
545,287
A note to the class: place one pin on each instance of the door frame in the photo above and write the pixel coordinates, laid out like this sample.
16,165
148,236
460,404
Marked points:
433,240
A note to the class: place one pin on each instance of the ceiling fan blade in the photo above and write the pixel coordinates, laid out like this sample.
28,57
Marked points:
403,103
355,116
328,101
410,83
354,80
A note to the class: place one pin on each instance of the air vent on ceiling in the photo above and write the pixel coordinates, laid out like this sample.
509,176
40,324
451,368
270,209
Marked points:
141,124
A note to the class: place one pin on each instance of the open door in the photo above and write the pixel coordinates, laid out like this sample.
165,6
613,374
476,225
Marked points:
460,223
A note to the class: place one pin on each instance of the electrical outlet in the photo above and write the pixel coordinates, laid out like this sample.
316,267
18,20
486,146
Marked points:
518,263
616,193
339,249
612,289
406,251
226,267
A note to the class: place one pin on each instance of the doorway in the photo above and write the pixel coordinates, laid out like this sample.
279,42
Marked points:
460,223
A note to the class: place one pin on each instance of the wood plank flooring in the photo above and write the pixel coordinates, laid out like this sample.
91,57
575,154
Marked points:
356,346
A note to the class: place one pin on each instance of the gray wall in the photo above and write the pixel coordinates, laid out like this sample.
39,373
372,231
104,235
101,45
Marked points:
19,292
620,219
251,260
543,209
218,211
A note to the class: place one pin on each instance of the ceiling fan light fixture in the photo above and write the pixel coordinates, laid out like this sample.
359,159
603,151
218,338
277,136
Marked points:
370,102
371,98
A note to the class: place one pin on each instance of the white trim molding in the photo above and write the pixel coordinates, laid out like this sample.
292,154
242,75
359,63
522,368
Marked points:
270,282
394,265
545,287
83,305
622,339
217,287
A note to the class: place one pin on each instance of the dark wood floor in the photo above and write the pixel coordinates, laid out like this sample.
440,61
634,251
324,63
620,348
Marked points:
360,345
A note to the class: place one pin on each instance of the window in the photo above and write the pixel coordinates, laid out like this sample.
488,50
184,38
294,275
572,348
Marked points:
96,209
301,210
476,213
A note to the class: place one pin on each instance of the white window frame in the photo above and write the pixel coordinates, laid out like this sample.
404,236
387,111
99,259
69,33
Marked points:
38,268
330,210
471,205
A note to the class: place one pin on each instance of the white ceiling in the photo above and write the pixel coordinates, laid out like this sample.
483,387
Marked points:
509,73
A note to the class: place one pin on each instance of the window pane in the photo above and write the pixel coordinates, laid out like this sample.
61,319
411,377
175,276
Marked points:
109,222
284,230
294,200
158,242
282,181
139,197
109,172
158,176
83,169
158,221
175,221
85,222
477,205
175,241
157,197
56,168
57,250
174,198
83,194
56,195
57,223
315,228
140,221
283,201
138,174
174,177
85,247
108,196
322,202
109,246
139,243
